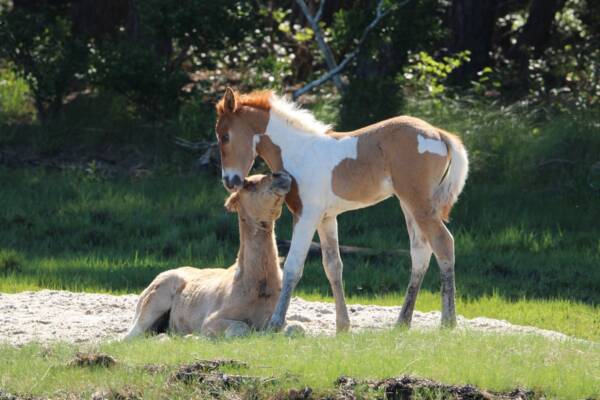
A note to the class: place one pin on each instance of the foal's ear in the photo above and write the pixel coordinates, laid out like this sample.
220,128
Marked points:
230,100
232,203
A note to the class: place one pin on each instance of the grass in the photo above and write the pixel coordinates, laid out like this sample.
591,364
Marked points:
527,250
496,362
521,257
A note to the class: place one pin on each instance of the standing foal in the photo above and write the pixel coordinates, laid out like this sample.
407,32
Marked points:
423,166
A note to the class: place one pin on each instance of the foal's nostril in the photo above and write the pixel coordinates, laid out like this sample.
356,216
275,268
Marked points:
236,181
276,174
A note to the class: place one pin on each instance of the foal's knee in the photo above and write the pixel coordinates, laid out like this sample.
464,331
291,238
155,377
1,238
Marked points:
292,275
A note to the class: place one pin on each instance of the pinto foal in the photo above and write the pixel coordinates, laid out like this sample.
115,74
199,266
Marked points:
224,301
333,172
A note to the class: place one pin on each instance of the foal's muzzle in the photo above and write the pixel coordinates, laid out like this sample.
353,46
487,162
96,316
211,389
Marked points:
282,182
232,182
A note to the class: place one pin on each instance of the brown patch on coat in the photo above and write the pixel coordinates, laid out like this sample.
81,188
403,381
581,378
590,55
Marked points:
293,200
389,150
271,153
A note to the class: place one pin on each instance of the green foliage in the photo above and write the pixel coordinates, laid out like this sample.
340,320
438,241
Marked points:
40,42
383,55
520,144
564,71
425,75
15,97
147,65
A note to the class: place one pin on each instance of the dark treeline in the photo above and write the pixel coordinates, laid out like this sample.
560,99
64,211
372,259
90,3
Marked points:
158,53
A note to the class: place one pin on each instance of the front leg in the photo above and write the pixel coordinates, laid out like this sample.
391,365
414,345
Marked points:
332,262
216,326
304,230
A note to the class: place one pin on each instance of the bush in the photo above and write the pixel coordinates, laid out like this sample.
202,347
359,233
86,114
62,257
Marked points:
15,97
39,40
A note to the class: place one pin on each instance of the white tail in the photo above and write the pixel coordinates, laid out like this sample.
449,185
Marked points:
453,183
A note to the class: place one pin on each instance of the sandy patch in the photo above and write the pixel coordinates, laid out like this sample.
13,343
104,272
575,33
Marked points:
50,315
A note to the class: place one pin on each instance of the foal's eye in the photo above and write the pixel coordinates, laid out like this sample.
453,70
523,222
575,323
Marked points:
225,138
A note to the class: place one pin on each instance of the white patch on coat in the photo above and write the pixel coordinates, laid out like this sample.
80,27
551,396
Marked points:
230,173
434,146
310,158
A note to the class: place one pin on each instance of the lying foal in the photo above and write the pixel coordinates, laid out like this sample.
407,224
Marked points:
225,301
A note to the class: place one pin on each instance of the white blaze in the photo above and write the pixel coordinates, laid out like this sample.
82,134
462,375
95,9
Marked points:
433,146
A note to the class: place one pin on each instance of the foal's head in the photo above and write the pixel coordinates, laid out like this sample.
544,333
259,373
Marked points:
261,197
241,119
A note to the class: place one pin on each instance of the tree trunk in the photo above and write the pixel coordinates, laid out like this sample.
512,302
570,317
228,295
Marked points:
472,26
534,36
537,30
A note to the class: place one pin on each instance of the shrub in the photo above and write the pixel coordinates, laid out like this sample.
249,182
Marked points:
39,40
15,97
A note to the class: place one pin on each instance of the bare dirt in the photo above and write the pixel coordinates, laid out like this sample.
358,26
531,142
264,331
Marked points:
48,316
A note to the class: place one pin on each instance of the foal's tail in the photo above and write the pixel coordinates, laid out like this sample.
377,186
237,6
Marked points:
446,194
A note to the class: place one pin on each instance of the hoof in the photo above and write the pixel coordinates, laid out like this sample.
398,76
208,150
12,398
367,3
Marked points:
403,323
275,325
295,330
342,327
237,329
449,323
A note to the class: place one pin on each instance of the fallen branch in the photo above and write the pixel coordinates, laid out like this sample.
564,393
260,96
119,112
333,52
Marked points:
210,150
315,249
555,161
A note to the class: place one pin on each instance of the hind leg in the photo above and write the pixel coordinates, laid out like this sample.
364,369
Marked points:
442,243
420,253
154,302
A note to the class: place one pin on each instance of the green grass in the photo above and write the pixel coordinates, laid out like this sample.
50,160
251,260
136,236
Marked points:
521,256
527,248
497,362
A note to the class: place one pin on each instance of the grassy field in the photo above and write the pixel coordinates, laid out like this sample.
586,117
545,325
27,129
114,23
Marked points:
527,242
566,370
521,256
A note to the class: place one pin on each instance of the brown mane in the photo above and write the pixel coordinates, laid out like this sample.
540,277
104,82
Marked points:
260,99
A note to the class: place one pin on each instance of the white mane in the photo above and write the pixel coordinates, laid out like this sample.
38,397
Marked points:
300,119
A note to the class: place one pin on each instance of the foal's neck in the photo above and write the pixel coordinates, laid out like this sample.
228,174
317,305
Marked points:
284,136
257,262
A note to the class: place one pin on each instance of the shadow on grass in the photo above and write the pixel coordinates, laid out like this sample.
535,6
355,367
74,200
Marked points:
77,234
